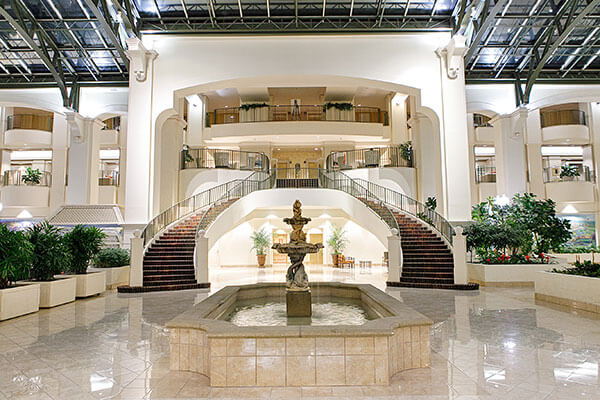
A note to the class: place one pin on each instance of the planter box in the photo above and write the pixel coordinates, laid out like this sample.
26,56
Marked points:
505,275
572,257
19,300
118,276
57,292
574,291
89,284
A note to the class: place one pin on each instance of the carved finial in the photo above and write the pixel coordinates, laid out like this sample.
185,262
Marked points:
297,209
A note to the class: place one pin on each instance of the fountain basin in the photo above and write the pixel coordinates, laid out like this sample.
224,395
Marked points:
393,339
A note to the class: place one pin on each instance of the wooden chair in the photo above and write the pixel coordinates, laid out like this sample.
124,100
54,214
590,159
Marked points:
346,262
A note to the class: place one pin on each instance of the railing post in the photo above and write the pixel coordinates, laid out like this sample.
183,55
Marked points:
136,273
459,253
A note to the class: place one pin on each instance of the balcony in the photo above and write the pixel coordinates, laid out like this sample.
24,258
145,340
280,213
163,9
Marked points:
396,156
485,174
569,189
221,158
18,193
564,126
109,135
28,130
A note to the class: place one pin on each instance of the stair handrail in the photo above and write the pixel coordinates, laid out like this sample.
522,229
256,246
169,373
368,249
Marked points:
346,184
184,208
242,188
411,206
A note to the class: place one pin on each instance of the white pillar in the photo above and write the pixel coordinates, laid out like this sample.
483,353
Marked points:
394,258
60,144
201,257
139,131
83,161
136,272
533,140
511,164
593,118
455,145
459,253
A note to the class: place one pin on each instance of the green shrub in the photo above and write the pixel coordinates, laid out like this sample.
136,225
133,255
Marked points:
261,241
15,256
50,253
84,242
586,268
111,258
578,249
32,176
337,240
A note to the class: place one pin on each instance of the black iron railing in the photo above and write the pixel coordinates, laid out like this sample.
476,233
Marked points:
222,158
485,174
391,156
272,113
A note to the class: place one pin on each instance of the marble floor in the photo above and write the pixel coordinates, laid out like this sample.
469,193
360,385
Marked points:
492,344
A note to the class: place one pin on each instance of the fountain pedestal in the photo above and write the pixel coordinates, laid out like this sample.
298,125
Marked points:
298,297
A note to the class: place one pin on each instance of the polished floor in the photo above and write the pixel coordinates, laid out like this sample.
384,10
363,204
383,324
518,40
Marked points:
491,344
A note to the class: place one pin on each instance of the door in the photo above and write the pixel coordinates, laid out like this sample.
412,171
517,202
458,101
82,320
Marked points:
279,258
316,258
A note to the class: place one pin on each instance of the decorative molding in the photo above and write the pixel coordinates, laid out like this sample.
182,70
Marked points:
77,130
139,58
453,55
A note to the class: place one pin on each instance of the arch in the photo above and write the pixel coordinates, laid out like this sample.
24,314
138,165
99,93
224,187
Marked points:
582,95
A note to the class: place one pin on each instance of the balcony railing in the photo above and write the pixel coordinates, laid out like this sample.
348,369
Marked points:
30,121
552,174
113,123
485,174
481,121
364,158
317,112
220,158
562,117
15,178
108,178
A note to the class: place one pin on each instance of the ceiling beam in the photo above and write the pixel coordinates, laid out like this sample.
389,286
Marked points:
488,18
107,28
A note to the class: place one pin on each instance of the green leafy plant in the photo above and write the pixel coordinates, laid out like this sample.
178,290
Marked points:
111,258
84,242
50,253
406,152
586,268
187,157
569,249
338,106
260,241
15,256
427,214
251,106
569,171
337,240
32,176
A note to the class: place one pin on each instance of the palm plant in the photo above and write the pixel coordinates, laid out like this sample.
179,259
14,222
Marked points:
32,176
337,240
569,171
260,242
15,256
406,152
50,253
84,242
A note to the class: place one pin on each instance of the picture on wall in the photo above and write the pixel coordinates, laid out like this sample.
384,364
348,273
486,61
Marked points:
583,227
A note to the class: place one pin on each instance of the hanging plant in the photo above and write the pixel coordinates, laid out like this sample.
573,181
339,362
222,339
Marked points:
338,106
251,106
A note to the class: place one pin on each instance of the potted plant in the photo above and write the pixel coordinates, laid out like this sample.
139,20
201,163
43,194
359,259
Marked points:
32,176
569,172
50,258
84,242
427,214
186,156
15,255
261,242
338,242
406,153
115,261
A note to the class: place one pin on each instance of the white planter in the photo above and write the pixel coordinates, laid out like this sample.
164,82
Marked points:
89,284
19,300
57,292
115,277
572,257
505,274
575,291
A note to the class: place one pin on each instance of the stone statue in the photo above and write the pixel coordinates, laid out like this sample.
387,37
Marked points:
297,249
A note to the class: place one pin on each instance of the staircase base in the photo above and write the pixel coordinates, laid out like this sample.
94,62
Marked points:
164,288
453,286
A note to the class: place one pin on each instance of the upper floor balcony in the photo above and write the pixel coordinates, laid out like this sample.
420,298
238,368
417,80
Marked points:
222,158
485,174
484,131
564,126
392,156
29,188
29,130
109,135
569,184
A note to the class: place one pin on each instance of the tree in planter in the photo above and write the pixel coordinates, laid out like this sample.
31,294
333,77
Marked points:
261,243
32,176
83,242
50,253
338,242
111,258
569,171
15,256
406,152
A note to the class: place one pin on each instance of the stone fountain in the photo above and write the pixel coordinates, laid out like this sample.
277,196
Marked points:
298,296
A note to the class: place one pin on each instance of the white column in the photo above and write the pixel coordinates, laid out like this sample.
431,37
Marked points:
60,144
533,139
139,131
427,159
398,127
459,252
122,161
455,143
201,257
83,161
594,127
511,165
394,258
136,272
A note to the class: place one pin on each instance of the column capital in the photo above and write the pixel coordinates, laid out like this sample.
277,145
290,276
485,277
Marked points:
452,54
140,58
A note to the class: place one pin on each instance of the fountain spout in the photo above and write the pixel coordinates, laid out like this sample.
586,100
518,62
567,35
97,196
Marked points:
298,297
